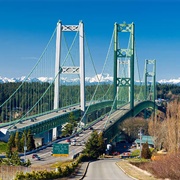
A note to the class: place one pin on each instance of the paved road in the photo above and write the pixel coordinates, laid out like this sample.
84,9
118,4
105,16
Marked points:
104,170
42,118
45,154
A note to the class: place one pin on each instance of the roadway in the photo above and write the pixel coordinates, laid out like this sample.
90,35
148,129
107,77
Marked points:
40,118
105,169
44,117
46,154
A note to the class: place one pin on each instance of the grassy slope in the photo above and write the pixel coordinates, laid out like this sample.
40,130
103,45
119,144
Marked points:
3,147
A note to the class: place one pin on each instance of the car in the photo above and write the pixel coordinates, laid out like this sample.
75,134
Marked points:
83,143
73,143
91,128
37,158
34,156
32,119
68,140
75,155
115,153
78,143
83,128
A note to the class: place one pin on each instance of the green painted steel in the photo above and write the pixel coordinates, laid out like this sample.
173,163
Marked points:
119,54
113,130
150,90
153,75
98,106
110,132
144,105
51,123
57,121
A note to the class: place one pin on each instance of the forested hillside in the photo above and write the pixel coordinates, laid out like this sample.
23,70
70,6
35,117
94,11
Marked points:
167,91
164,91
32,91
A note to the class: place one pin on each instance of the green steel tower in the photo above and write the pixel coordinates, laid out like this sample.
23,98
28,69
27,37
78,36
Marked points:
150,92
122,57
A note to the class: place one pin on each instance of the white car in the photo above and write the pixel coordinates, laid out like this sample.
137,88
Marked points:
73,143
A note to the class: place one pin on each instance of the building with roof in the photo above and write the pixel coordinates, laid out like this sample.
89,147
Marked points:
144,139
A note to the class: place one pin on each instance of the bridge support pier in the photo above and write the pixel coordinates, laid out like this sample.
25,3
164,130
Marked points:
57,72
55,133
71,70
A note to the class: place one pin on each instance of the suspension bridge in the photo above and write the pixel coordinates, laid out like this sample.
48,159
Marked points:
45,107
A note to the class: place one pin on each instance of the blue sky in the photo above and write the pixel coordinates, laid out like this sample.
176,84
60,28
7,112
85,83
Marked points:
26,27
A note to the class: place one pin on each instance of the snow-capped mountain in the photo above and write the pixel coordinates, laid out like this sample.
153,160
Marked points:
170,81
105,78
88,80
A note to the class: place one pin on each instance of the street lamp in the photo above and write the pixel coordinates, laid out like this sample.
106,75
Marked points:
25,148
140,137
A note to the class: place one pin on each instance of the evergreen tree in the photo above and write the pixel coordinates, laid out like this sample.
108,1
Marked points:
23,141
15,159
28,163
17,141
95,145
71,117
11,140
67,130
10,145
146,153
101,143
30,141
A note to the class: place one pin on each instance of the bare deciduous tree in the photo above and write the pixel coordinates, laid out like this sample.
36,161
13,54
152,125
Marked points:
166,132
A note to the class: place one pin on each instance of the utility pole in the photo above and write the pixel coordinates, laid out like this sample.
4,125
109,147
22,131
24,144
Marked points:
25,147
140,137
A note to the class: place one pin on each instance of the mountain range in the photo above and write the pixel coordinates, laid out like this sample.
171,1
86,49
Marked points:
105,78
88,80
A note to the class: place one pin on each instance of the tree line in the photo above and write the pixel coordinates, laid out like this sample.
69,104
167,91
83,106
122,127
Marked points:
17,142
30,93
163,90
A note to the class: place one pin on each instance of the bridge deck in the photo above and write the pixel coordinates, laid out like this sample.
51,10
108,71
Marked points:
39,119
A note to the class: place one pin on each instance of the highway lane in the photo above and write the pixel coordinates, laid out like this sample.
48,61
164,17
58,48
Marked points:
45,154
44,117
105,169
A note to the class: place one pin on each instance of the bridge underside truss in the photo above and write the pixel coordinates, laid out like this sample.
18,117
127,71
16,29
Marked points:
113,130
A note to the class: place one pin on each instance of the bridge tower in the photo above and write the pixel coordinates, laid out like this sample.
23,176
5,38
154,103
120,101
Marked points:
122,57
150,73
69,70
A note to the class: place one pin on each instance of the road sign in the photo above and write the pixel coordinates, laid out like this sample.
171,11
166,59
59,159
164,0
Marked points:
61,149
